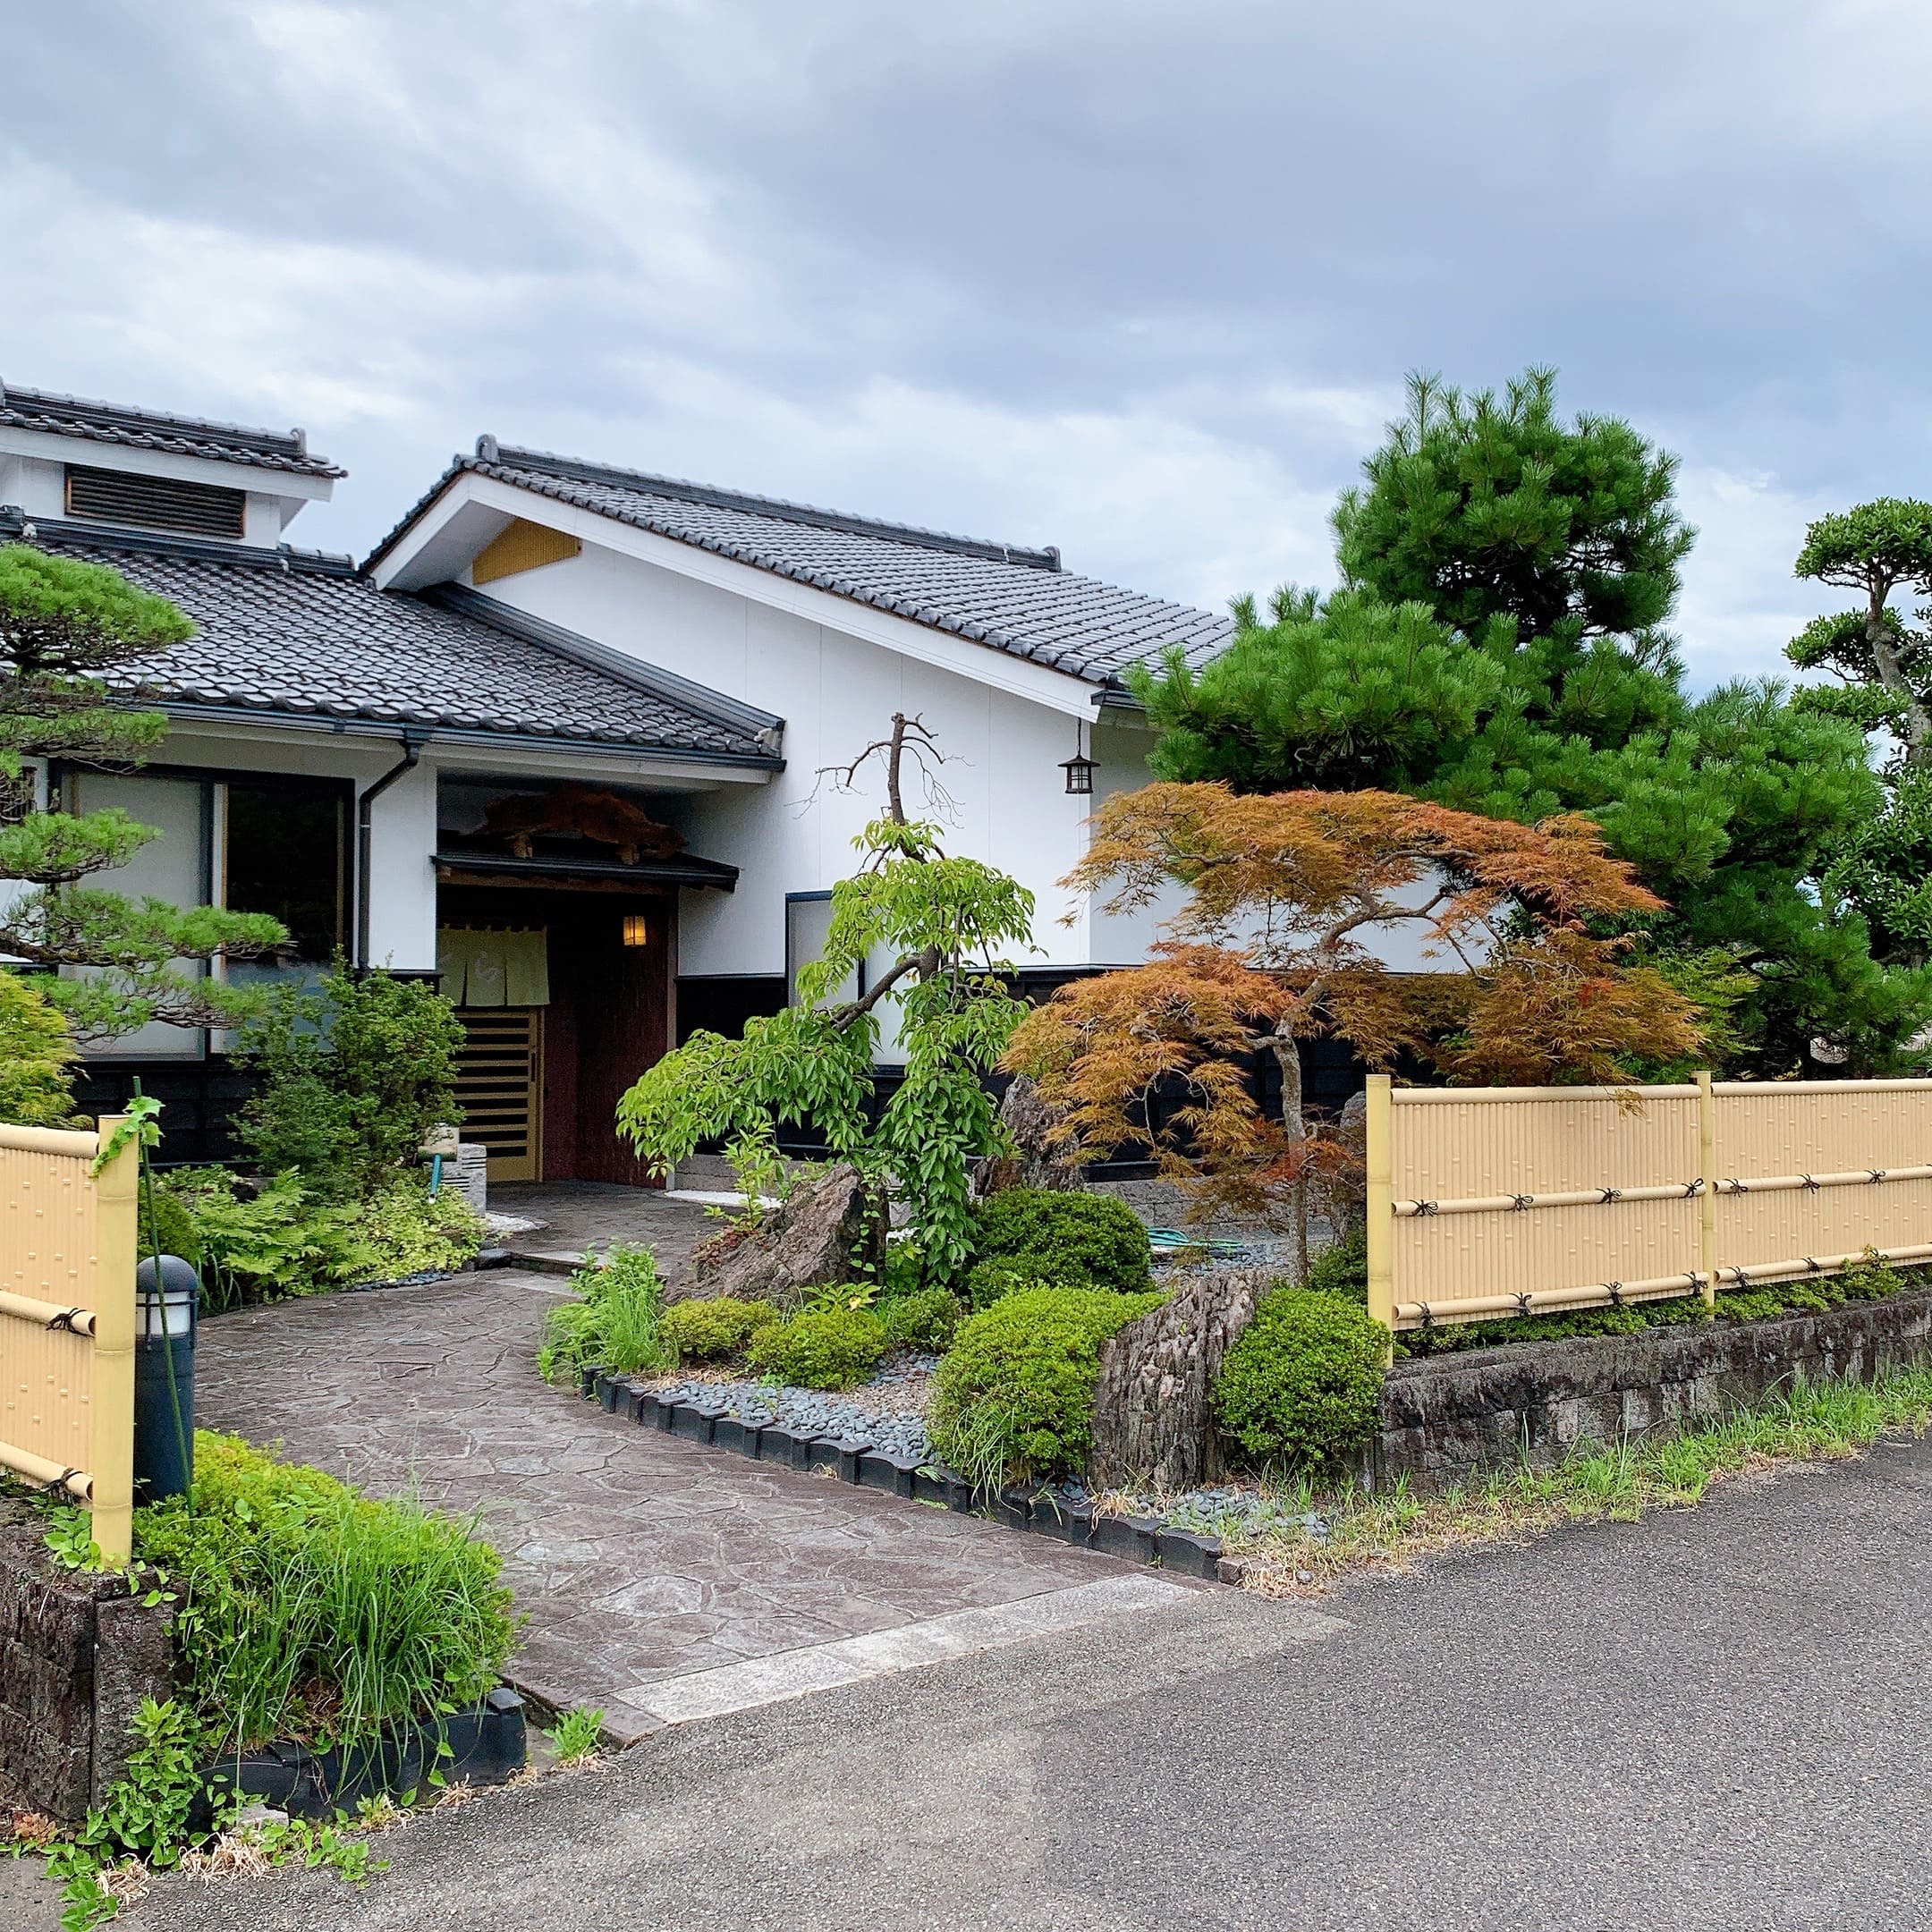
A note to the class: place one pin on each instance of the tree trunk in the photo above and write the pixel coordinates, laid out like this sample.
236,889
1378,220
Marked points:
1891,675
1154,1404
1287,1052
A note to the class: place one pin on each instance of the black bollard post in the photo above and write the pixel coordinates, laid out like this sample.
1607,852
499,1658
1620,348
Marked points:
164,1324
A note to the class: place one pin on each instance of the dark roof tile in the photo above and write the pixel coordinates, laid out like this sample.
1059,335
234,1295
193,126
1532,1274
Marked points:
1010,597
151,429
304,634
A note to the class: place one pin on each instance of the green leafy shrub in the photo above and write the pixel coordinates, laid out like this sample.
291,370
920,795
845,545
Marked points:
410,1231
925,1320
1341,1267
716,1330
353,1077
988,1282
1303,1383
822,1349
36,1054
276,1242
167,1225
618,1325
1091,1239
306,1609
1014,1395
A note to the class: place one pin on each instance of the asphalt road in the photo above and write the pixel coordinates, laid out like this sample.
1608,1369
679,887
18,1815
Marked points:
1713,1718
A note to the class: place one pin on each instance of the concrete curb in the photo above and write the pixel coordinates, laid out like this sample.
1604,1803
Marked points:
1138,1540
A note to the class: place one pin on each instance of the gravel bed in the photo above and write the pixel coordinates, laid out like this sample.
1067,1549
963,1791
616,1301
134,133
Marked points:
889,1412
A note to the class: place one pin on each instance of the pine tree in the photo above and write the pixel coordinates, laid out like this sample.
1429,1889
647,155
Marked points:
1500,645
64,627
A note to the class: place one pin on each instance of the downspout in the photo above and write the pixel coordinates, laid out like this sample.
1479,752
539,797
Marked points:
412,744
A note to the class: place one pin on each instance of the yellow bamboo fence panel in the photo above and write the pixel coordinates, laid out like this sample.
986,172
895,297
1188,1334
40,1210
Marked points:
1487,1202
67,1258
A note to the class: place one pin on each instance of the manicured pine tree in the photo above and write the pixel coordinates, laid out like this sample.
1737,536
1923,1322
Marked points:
66,630
1500,644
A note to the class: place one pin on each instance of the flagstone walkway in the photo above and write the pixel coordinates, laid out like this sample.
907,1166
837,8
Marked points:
637,1559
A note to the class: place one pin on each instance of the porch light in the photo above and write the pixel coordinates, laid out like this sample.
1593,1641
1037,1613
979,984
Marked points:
1079,768
636,929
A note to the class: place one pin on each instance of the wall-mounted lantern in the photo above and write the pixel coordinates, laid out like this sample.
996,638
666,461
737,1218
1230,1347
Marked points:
1079,768
636,929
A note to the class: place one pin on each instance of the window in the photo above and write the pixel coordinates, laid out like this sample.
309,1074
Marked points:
252,843
288,855
156,502
174,867
807,922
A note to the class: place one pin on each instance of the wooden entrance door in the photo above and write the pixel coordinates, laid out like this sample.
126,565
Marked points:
499,1086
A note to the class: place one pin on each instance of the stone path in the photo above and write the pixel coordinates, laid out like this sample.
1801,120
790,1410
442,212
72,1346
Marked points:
585,1215
637,1559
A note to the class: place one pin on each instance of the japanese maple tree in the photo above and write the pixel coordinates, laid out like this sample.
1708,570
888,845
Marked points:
1284,893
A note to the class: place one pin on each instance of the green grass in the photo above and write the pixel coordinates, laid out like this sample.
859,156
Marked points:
578,1736
1620,1481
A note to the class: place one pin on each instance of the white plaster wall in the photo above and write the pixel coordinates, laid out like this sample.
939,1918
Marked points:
835,692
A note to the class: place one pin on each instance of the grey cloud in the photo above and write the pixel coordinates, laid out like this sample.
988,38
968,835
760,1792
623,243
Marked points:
1713,218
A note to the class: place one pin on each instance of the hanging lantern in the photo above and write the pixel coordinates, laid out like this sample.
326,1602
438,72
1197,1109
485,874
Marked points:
1079,768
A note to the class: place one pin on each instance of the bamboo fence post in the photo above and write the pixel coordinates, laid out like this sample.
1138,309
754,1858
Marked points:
111,1396
1381,1191
1706,1106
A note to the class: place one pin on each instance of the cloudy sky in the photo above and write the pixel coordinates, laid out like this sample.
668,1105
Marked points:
1141,280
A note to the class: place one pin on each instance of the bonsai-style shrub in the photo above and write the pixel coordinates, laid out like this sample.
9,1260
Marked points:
1015,1392
927,1320
1303,1383
1085,1239
1341,1267
713,1330
944,922
617,1326
830,1348
353,1077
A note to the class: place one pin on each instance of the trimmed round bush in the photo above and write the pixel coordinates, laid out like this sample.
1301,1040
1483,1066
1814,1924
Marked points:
925,1320
988,1282
1304,1383
828,1349
1014,1395
1048,1236
714,1330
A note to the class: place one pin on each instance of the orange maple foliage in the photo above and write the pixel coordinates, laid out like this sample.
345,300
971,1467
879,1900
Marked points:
1267,950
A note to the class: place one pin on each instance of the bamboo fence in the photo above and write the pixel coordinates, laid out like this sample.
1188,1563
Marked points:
67,1256
1498,1201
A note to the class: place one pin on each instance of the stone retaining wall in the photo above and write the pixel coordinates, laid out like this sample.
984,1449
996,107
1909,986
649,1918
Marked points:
1446,1415
78,1653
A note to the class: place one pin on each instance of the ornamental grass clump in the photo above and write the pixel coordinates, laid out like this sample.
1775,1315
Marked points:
831,1348
308,1610
1303,1385
618,1325
1015,1392
719,1329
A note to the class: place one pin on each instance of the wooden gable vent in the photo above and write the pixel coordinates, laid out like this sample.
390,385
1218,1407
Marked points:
522,545
155,502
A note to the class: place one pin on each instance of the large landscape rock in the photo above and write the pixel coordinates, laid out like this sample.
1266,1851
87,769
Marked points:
1154,1404
1029,1119
821,1234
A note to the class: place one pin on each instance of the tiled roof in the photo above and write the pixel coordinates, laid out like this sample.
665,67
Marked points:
1011,599
287,634
150,429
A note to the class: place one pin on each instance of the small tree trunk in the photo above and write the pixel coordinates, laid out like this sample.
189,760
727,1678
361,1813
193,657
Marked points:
1154,1404
1287,1052
1891,675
